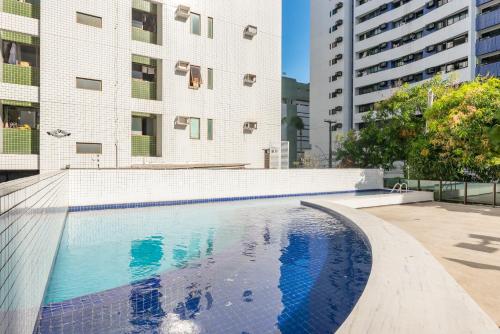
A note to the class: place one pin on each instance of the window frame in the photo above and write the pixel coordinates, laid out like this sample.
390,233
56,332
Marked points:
210,27
193,32
78,79
84,143
194,72
191,119
210,129
210,78
81,14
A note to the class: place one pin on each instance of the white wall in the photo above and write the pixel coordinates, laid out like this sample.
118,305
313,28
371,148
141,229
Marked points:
32,215
93,187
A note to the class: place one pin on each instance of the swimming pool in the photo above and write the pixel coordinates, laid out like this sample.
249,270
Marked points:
263,266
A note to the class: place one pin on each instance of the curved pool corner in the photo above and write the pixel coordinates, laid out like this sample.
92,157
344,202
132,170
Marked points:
408,290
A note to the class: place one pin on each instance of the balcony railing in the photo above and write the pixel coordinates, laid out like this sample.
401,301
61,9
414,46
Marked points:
488,20
145,36
488,45
490,69
143,146
20,141
21,75
21,8
142,89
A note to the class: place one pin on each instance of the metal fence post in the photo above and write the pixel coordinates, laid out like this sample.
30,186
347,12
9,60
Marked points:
440,190
465,193
494,194
418,185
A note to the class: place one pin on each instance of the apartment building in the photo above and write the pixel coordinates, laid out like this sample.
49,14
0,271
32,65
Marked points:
397,42
139,82
331,73
295,105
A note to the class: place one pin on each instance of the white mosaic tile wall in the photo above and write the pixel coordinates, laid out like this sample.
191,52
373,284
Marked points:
31,222
70,50
94,187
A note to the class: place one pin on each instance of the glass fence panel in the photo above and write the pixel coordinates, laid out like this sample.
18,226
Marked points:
480,193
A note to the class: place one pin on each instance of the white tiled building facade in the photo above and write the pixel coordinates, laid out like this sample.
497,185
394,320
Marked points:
138,82
392,43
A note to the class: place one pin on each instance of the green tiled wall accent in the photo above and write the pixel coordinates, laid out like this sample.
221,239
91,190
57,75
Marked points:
143,60
144,6
144,35
143,89
18,141
143,146
20,75
21,8
19,37
19,103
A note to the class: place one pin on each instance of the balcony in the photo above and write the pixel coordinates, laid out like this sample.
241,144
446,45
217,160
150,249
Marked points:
490,69
488,20
20,141
142,89
21,75
143,146
21,8
488,45
145,36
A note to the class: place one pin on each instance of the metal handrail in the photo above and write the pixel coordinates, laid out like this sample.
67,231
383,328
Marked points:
399,186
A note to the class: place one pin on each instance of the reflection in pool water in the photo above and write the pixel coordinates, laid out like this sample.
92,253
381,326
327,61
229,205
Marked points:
253,267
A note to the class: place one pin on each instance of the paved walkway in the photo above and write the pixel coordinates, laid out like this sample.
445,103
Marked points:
464,239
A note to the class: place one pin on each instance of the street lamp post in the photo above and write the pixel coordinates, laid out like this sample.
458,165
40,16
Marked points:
59,134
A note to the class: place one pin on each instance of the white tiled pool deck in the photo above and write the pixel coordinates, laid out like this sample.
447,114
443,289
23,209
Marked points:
408,291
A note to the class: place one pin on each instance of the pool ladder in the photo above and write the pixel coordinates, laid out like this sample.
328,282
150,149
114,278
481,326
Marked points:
399,186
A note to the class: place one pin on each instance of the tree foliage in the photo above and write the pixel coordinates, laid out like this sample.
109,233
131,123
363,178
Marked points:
454,137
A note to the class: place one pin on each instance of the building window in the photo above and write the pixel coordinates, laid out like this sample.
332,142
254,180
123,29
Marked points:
195,24
194,77
194,128
88,148
90,20
210,129
210,78
91,84
210,30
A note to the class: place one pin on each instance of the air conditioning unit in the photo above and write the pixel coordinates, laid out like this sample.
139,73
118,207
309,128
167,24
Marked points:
181,121
250,31
411,57
337,126
340,5
332,112
449,45
410,78
383,26
450,68
338,91
338,108
383,64
250,79
333,78
339,56
359,74
182,12
339,23
431,26
250,126
338,74
383,46
431,70
431,4
182,66
383,84
383,7
431,48
338,40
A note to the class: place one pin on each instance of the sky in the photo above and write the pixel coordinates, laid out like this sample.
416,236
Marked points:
295,49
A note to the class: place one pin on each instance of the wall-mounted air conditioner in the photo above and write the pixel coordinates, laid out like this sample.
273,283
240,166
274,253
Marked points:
182,12
182,66
339,23
338,108
250,31
338,74
431,4
338,91
383,26
250,126
431,70
181,121
338,40
339,56
340,5
431,26
431,48
383,64
250,79
383,46
449,45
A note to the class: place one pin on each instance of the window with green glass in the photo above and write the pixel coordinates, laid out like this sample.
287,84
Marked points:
210,79
210,129
210,30
195,24
194,128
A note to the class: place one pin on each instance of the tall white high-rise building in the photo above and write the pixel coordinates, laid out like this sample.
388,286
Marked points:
393,43
137,82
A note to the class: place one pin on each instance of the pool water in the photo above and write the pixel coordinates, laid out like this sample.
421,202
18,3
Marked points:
255,267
